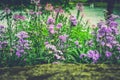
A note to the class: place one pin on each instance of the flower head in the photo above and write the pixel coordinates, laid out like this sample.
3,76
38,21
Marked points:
2,29
51,29
59,10
63,37
82,56
19,17
76,43
94,55
22,44
22,35
59,25
108,54
50,20
73,21
49,7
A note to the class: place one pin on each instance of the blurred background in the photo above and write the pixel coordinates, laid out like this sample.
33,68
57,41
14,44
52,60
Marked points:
27,2
92,8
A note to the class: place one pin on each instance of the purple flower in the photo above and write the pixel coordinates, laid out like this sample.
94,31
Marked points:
3,44
51,29
101,23
2,29
59,25
59,10
82,55
51,47
113,17
58,57
102,43
73,21
19,17
38,13
63,37
76,43
46,43
94,55
22,44
57,53
113,24
118,48
3,41
18,54
35,13
50,21
22,35
106,33
108,54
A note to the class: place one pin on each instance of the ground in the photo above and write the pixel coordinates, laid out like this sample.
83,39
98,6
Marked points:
62,72
66,71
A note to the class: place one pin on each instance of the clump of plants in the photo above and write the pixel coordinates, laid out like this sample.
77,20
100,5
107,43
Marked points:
50,35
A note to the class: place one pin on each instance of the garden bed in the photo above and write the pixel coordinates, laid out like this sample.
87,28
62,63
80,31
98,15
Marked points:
45,36
62,72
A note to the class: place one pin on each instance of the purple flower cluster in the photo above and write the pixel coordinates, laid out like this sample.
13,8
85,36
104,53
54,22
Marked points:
51,29
76,43
22,35
59,10
35,13
51,25
106,36
59,25
19,17
57,53
22,44
3,43
92,54
113,17
73,21
108,54
63,38
2,29
50,20
107,32
83,55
